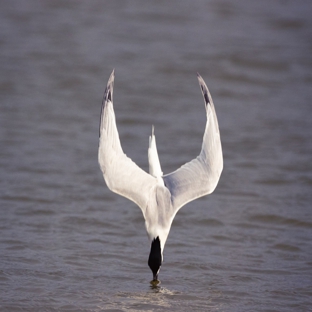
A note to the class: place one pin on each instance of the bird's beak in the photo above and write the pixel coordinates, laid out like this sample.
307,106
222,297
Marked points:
155,277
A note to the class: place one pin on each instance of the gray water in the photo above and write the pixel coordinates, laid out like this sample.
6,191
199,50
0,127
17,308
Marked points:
66,242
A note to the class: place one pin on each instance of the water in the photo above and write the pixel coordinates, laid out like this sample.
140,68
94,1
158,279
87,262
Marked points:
66,242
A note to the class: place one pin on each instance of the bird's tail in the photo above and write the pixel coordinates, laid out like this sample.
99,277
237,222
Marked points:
153,160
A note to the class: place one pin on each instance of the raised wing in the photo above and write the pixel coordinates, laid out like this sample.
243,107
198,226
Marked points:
121,174
200,176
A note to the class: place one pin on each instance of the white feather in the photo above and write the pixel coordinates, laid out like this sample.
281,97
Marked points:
153,159
159,197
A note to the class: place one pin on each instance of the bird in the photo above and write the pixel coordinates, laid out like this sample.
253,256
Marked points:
159,196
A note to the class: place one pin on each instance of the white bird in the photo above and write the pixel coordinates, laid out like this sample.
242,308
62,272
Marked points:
159,196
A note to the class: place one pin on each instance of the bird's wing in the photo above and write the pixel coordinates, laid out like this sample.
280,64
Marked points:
153,160
121,174
200,176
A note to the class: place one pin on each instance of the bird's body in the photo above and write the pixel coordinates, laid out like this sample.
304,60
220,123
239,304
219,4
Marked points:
159,196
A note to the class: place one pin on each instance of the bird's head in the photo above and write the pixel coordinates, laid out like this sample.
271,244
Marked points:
155,257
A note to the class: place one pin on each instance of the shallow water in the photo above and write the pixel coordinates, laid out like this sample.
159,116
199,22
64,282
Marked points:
67,243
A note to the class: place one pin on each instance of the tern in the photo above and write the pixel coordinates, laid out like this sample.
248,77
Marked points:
159,196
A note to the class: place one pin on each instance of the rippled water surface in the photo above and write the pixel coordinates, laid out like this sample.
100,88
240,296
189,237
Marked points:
66,242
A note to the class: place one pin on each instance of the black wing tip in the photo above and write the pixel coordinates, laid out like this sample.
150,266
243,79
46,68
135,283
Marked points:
206,98
112,75
111,79
204,89
108,95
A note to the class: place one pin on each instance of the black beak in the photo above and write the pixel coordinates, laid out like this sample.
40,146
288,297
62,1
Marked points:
154,260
